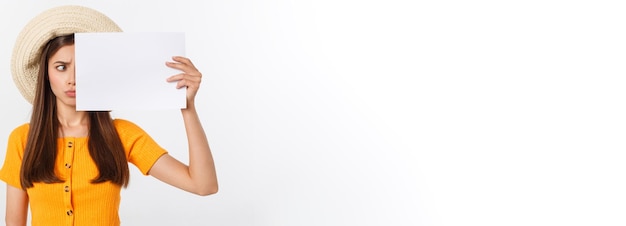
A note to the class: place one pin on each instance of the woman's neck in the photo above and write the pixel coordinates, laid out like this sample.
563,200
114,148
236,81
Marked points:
72,123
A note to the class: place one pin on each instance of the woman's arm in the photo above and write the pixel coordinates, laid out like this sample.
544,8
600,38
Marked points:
17,206
200,176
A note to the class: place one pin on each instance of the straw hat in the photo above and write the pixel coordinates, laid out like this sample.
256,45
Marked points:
42,28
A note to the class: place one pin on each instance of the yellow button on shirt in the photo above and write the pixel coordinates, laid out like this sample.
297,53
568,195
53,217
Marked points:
77,201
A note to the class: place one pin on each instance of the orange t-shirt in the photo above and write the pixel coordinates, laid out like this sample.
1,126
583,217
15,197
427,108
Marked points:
77,201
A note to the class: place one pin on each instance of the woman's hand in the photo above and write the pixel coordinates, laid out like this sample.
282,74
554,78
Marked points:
190,77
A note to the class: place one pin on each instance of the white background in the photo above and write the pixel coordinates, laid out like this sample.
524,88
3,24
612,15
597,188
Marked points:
384,112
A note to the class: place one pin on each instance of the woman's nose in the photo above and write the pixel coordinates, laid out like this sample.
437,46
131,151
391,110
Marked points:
72,78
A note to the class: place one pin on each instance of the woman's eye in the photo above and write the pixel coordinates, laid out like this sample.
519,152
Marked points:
61,67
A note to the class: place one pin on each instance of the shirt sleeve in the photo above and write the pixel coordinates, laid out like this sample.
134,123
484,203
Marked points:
10,172
141,150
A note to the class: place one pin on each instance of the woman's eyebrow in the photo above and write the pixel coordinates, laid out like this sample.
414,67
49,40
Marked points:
61,62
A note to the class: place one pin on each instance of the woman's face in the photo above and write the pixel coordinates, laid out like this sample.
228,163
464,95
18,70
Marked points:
61,75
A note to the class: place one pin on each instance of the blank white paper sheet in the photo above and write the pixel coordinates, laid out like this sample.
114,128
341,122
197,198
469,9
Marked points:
126,71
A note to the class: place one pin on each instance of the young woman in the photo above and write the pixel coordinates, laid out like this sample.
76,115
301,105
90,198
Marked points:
70,165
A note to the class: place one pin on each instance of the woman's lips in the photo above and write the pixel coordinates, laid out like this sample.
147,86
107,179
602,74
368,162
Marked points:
70,93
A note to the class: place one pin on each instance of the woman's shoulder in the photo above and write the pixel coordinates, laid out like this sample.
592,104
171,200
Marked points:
20,133
22,129
125,126
118,122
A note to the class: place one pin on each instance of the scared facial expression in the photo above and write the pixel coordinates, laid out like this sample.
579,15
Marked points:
61,75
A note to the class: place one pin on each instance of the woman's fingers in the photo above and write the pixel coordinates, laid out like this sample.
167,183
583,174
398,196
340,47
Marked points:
183,64
185,79
177,77
183,60
190,76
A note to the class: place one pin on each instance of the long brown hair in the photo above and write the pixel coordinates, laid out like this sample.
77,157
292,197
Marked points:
104,144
